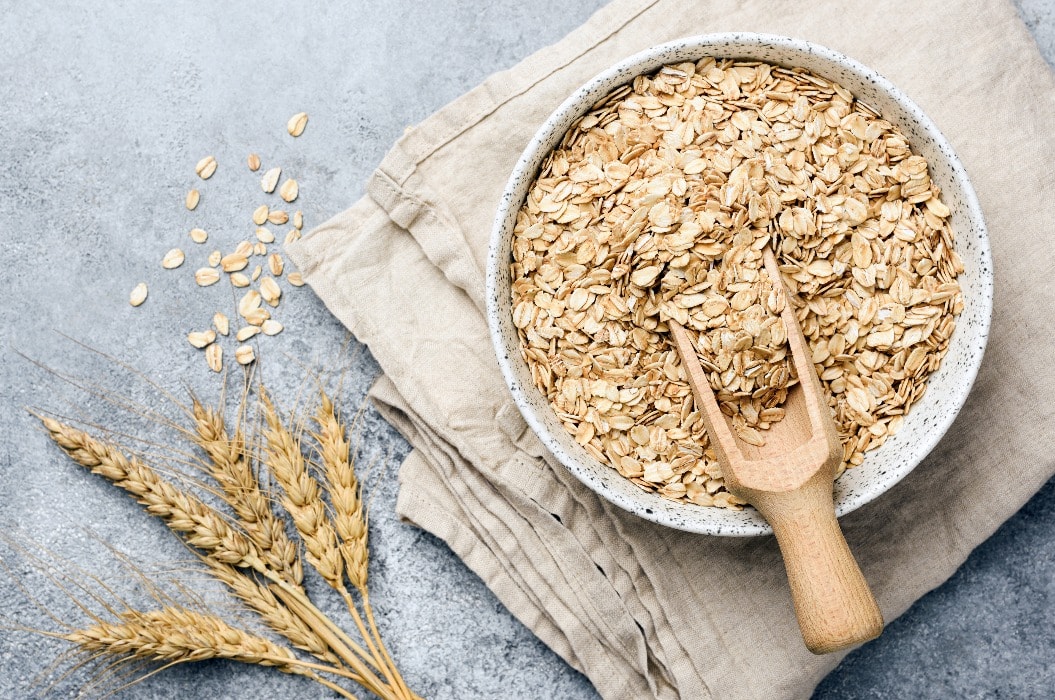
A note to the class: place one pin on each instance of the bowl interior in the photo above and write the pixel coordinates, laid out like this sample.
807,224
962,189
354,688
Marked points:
948,387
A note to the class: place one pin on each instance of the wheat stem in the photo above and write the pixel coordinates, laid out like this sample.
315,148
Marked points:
335,688
380,643
336,639
386,671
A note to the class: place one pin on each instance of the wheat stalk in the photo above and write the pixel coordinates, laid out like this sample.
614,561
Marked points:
241,490
302,497
350,520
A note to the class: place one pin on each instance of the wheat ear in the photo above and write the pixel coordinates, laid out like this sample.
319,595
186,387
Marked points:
202,526
241,490
344,490
175,635
301,495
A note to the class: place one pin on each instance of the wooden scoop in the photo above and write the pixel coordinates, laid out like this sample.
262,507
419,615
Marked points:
790,480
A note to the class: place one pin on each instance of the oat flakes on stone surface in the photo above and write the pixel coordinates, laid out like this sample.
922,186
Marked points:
657,205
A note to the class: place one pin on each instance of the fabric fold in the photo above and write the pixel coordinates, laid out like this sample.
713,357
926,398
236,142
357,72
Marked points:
642,610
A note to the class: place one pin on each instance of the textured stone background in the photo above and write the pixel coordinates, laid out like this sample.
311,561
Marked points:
104,113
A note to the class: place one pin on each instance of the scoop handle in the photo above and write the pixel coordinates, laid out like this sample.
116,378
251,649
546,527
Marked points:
833,603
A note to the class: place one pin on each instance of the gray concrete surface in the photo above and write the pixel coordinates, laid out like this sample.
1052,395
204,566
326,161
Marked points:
104,113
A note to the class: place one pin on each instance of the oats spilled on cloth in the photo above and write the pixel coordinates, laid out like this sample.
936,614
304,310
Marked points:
657,204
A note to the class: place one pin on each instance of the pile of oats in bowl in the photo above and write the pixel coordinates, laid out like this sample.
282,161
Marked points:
657,205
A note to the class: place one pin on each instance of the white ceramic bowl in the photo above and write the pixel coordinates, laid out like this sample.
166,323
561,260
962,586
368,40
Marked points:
928,419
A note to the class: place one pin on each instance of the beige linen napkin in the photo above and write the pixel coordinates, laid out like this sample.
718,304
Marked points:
640,609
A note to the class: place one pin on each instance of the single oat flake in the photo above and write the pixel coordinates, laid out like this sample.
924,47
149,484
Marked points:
200,339
289,190
205,167
270,180
295,125
206,276
193,197
221,323
246,333
271,327
244,354
214,357
270,291
138,295
260,215
173,259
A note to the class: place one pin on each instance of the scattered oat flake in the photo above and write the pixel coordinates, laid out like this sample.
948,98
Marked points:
260,215
246,333
221,323
257,316
295,125
253,161
138,295
270,180
198,235
244,248
233,262
271,327
239,280
264,235
292,236
249,302
278,217
256,273
275,264
244,354
192,199
173,259
289,190
214,357
270,291
200,339
214,258
206,276
298,220
205,167
295,279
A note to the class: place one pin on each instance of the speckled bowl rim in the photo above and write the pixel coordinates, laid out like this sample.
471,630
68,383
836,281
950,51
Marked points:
497,265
